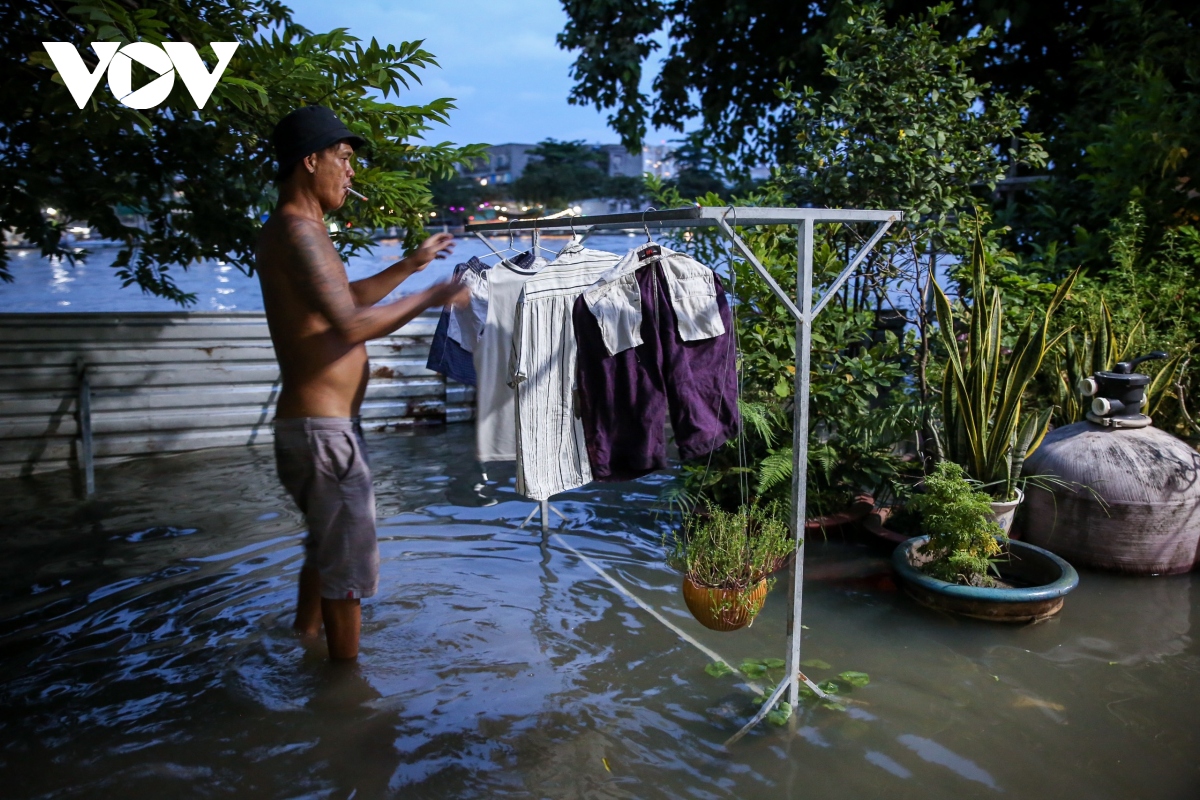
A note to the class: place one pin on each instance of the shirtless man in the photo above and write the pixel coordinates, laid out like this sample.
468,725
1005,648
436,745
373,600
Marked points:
320,322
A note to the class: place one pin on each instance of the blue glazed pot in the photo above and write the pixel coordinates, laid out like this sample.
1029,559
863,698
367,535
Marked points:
1040,581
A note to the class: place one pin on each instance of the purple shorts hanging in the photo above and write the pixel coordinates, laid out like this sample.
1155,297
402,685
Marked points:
625,399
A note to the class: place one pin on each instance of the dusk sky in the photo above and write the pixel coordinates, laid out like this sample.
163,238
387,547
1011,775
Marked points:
498,60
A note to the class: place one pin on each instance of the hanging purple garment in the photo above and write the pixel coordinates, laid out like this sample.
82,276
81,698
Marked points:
626,398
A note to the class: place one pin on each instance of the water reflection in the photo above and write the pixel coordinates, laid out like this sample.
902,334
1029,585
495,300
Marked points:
1152,618
145,646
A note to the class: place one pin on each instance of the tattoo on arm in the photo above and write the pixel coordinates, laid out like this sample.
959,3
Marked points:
320,275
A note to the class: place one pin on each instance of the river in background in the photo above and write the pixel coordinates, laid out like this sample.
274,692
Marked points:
145,651
46,284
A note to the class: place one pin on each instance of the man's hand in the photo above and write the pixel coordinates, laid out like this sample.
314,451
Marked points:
450,294
369,291
438,246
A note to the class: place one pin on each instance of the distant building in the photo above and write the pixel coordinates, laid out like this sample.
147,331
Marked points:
622,161
505,166
659,160
508,162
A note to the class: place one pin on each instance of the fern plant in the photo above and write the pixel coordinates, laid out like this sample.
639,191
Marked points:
985,425
964,538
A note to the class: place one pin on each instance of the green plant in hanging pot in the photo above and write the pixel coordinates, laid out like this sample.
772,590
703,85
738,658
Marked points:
985,425
726,558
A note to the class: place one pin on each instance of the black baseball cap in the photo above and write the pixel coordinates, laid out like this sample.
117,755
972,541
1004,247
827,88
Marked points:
305,131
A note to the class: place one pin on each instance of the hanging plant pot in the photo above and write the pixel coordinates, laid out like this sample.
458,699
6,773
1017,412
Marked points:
724,609
1034,584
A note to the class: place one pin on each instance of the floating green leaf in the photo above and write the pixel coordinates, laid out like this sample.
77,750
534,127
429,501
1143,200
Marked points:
718,669
854,678
815,663
773,663
833,705
780,714
753,668
828,687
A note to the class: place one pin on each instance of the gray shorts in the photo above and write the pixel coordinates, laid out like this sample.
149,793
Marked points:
322,462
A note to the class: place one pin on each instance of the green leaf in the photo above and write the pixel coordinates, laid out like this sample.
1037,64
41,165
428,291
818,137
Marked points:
718,669
854,678
828,687
753,669
780,714
774,663
815,663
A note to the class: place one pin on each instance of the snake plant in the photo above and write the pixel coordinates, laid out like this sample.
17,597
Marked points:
1097,348
986,426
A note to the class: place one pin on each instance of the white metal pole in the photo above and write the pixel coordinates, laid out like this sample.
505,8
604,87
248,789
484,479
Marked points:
804,279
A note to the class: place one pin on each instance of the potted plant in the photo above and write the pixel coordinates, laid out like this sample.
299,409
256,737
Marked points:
726,558
985,427
967,565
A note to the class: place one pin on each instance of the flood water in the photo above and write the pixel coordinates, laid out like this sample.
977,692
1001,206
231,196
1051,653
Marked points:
145,651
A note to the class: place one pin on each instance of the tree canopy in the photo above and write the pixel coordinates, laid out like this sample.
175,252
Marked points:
724,60
561,172
903,125
200,179
1113,87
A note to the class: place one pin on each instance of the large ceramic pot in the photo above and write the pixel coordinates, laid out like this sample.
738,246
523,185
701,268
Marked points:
1129,501
1040,581
723,609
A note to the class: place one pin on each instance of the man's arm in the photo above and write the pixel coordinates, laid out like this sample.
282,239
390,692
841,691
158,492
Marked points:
369,291
321,276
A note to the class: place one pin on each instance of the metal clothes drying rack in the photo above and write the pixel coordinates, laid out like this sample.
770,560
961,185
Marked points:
721,218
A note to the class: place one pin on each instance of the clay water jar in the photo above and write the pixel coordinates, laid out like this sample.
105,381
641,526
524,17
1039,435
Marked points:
724,609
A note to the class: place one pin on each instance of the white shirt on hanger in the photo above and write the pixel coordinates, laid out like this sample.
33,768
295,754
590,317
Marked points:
493,309
551,452
616,300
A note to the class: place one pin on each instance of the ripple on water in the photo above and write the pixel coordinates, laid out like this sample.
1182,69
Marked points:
145,644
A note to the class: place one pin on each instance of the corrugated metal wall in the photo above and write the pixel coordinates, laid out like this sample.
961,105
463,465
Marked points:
171,382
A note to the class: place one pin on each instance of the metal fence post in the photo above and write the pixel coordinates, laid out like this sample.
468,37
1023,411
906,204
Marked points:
85,428
804,280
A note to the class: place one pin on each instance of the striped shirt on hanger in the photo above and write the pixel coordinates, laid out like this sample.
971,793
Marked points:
551,452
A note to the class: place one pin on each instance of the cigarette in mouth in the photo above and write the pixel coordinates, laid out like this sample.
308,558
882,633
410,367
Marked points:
356,194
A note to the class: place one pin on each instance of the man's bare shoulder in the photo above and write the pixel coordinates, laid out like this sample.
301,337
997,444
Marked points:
292,235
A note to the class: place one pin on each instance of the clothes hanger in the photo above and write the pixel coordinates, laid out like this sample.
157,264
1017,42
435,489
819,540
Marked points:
576,239
500,253
650,248
537,245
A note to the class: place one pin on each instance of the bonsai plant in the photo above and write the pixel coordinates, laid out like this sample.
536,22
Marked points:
951,568
985,426
726,558
957,518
